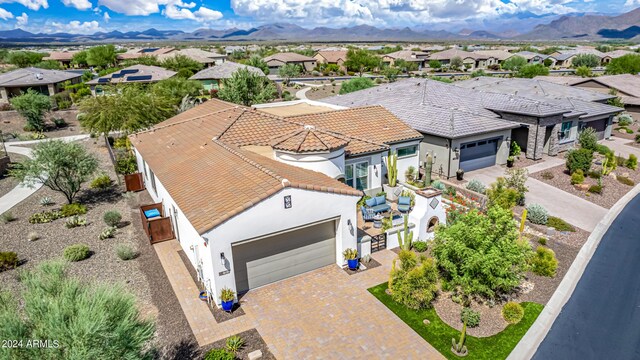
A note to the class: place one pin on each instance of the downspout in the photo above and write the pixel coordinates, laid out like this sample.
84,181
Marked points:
449,162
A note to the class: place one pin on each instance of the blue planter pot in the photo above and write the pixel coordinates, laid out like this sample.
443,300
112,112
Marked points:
204,296
353,264
227,305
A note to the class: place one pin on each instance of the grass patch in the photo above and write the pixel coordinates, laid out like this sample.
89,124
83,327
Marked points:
559,224
439,334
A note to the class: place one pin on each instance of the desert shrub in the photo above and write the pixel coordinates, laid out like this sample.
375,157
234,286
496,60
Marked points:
438,185
107,233
126,165
414,285
112,218
419,246
516,179
579,159
73,209
7,217
450,191
632,162
595,174
544,262
101,182
559,224
603,149
76,252
477,186
512,312
625,120
577,177
46,201
595,189
234,343
629,131
59,122
45,217
125,252
500,195
547,175
588,139
470,317
542,241
219,354
76,221
122,143
625,180
537,214
8,260
620,160
638,138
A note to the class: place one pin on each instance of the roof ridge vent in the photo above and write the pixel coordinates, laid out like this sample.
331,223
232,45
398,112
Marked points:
309,127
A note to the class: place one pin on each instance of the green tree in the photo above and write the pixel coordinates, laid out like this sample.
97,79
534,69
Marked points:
390,73
182,63
479,73
24,58
101,56
356,84
128,108
435,64
617,100
148,60
32,106
90,321
584,71
532,70
79,58
604,48
413,284
287,71
456,63
360,60
49,65
627,64
499,194
514,63
175,89
547,62
481,254
405,65
60,166
257,62
587,60
247,88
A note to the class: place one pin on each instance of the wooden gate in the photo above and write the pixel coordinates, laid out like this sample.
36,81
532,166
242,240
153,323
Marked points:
159,228
378,242
133,182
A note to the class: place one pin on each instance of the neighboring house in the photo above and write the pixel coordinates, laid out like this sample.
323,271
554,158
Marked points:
336,57
564,58
494,57
47,82
138,53
63,57
212,77
470,60
206,58
608,56
418,57
275,61
234,48
136,74
468,128
253,197
535,58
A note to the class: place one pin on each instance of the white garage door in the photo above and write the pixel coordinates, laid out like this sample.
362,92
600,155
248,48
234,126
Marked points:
260,262
478,154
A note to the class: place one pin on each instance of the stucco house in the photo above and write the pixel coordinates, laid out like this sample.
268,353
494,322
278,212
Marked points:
212,77
256,197
62,57
136,74
471,60
417,57
206,58
47,82
275,61
336,57
535,58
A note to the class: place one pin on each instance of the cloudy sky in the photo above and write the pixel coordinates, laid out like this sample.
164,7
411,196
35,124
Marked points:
89,16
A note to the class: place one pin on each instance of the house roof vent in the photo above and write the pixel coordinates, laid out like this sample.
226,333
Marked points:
39,76
309,127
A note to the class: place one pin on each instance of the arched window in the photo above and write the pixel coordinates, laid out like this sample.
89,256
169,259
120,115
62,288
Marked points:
433,222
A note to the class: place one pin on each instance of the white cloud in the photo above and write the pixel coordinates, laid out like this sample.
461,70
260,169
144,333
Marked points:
29,4
22,20
5,15
106,17
131,7
205,14
75,27
173,9
632,3
78,4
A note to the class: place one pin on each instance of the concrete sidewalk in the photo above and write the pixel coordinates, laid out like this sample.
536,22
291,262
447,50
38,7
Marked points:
619,148
575,210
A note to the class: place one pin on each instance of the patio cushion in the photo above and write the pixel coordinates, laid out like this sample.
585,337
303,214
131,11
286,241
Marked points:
151,213
381,208
380,200
404,200
404,208
367,214
371,202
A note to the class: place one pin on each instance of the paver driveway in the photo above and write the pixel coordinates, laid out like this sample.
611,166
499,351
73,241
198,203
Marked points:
323,314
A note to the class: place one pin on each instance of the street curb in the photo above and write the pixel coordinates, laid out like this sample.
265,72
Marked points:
529,343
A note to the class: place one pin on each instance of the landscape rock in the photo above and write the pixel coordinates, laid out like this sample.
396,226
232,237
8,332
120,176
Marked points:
255,355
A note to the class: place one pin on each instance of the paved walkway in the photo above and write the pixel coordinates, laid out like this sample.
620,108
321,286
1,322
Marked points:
575,210
302,94
322,314
619,148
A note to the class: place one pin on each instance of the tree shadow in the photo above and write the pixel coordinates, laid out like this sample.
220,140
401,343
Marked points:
96,197
185,349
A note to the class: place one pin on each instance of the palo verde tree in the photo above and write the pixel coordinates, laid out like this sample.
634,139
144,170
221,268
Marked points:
627,64
24,58
60,166
530,71
32,106
128,109
360,60
588,60
514,63
247,88
89,321
184,65
101,56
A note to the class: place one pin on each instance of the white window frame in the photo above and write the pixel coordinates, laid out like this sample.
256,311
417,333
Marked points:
407,147
565,135
352,181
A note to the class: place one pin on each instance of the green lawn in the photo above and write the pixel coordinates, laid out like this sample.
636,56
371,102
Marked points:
439,334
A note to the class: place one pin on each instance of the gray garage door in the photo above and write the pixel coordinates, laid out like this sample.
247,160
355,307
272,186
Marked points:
278,257
598,125
478,154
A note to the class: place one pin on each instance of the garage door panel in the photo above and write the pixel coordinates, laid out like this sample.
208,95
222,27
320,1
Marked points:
264,261
478,154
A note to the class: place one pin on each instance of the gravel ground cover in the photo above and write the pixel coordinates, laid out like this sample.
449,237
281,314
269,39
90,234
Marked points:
252,341
12,123
621,133
328,90
7,183
612,191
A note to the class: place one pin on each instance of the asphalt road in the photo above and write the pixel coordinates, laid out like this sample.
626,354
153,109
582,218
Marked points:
601,320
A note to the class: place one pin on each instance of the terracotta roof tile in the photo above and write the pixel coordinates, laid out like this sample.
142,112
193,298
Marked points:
309,139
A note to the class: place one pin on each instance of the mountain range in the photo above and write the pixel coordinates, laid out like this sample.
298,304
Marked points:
575,26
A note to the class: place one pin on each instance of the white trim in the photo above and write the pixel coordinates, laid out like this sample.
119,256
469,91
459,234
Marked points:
296,102
262,237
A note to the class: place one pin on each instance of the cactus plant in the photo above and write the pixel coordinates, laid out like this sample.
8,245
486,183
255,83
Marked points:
405,241
428,166
392,169
459,348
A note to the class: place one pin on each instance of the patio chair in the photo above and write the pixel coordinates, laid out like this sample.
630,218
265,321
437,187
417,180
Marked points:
367,214
378,204
404,204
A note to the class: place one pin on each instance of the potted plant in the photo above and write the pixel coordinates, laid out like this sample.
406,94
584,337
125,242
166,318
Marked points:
392,173
460,174
203,296
351,255
510,161
226,299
